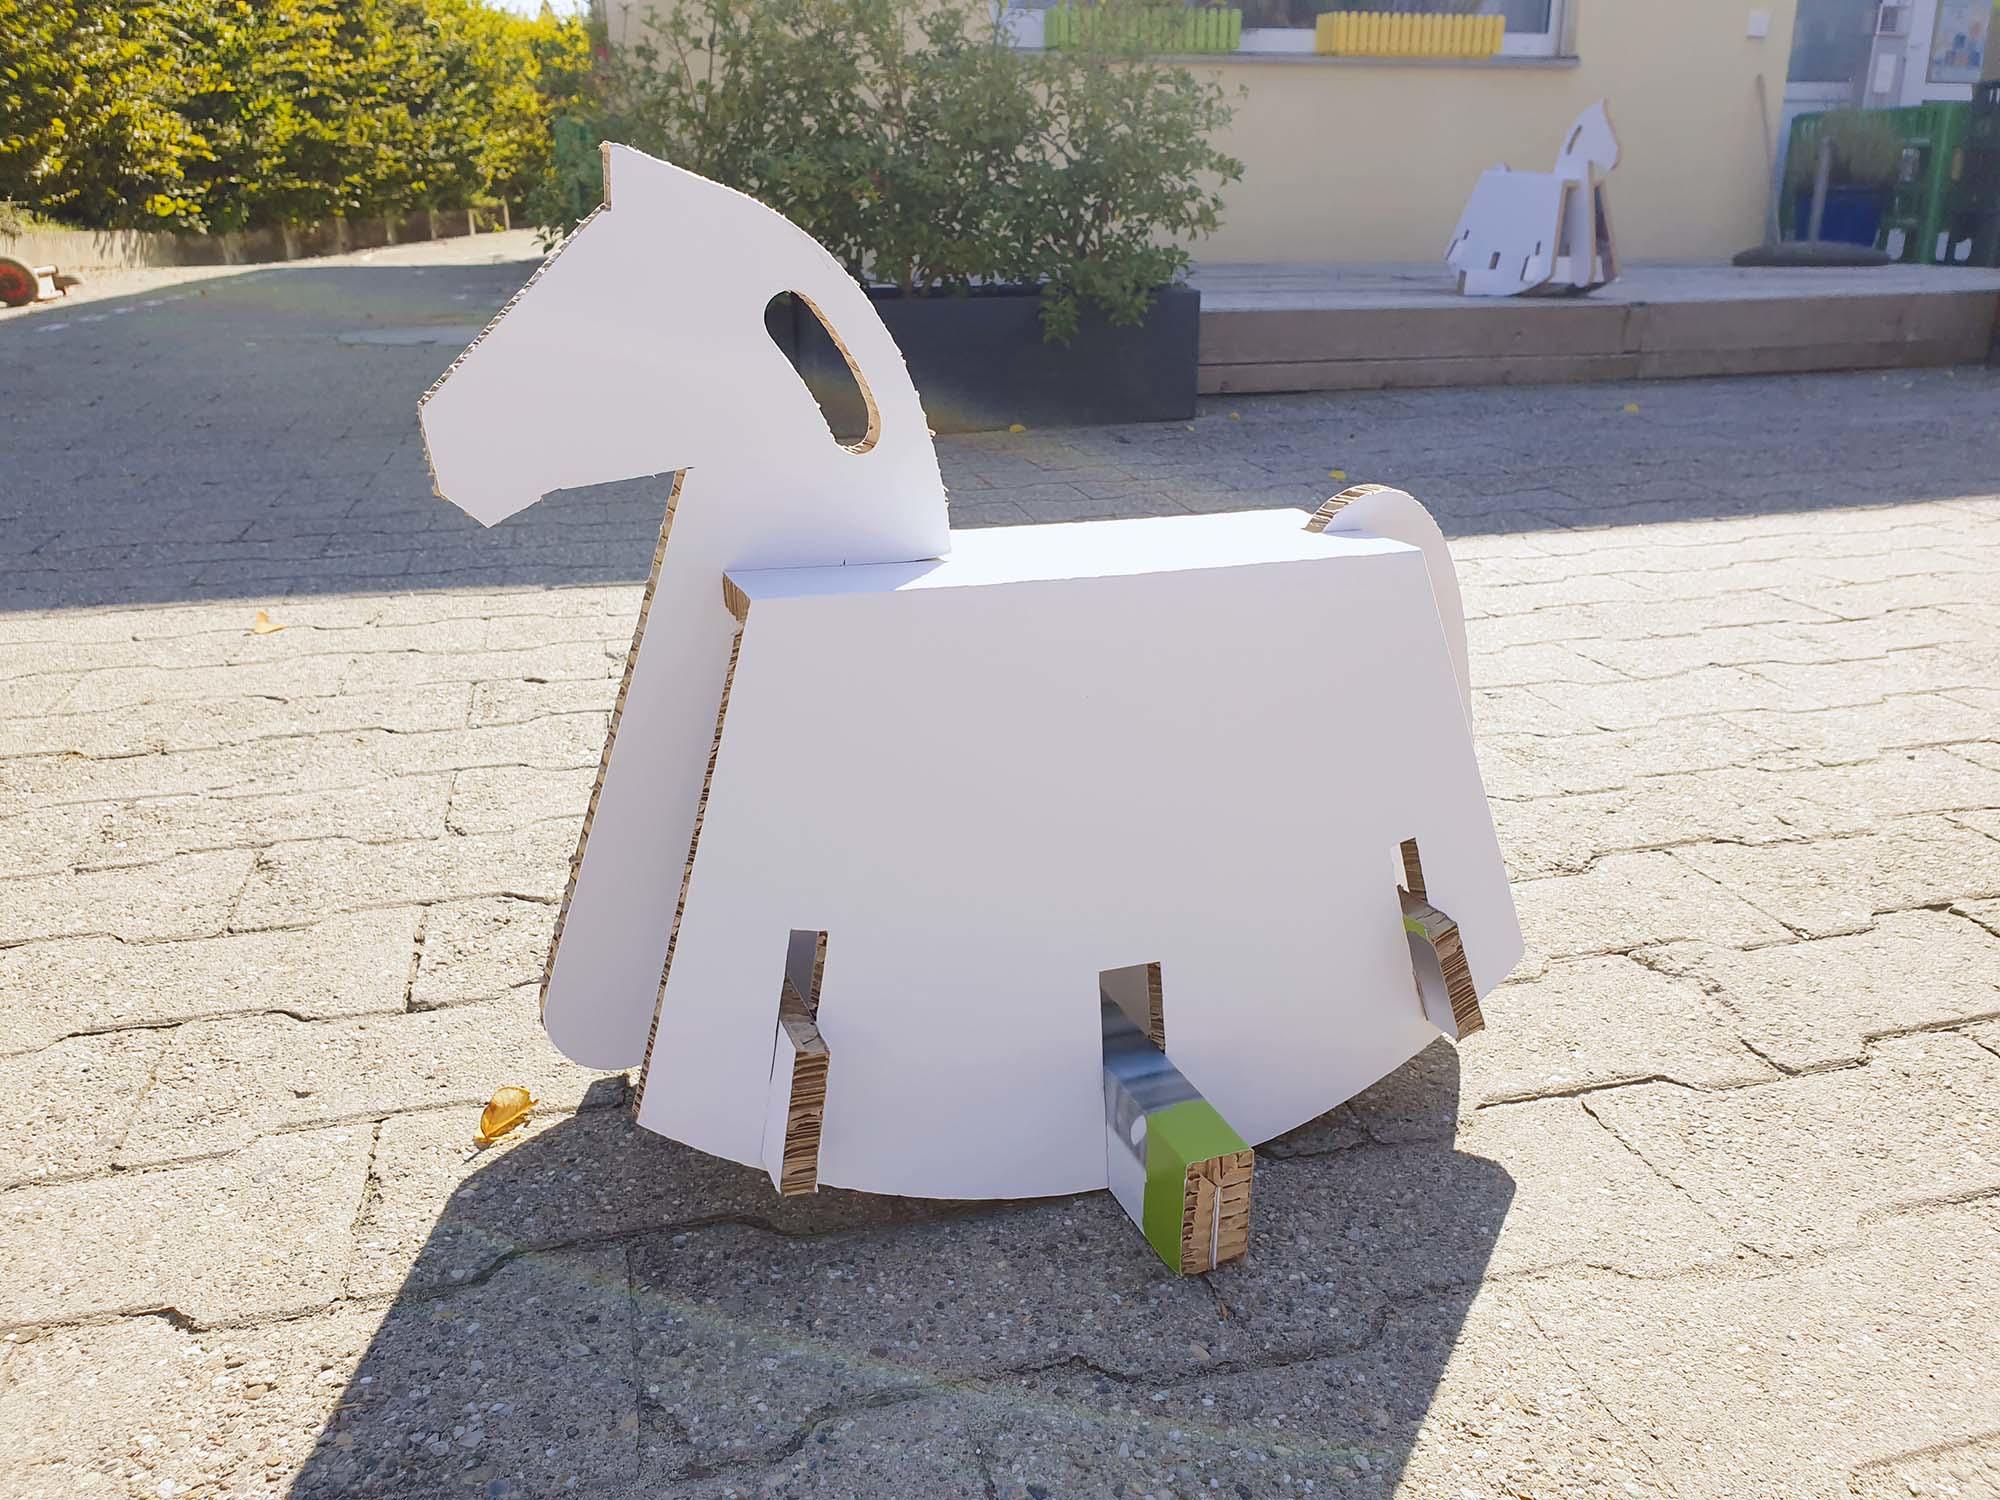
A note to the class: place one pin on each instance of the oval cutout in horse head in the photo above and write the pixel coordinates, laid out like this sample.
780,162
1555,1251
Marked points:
827,369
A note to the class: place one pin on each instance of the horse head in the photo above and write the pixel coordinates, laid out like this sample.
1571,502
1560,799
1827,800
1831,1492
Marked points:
1590,146
639,348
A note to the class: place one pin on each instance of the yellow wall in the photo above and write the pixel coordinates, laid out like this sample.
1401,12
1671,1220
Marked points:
1358,161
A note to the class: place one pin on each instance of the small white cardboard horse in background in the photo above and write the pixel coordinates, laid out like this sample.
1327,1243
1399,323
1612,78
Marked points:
1542,232
1070,857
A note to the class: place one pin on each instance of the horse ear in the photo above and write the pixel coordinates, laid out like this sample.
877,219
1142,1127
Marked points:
618,164
1603,109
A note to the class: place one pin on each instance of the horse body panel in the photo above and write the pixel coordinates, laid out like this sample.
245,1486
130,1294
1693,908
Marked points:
988,794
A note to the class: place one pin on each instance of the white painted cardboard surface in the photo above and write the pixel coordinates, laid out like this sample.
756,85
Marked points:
1395,514
1196,740
639,349
777,1104
1524,232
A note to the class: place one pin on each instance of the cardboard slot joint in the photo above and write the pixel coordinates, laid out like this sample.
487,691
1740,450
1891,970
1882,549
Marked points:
1437,929
1215,1216
799,1173
1413,869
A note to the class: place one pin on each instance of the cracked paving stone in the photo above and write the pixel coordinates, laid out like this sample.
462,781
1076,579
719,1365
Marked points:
1985,913
184,897
1016,1442
521,1387
223,1083
551,744
1592,1022
1520,1187
745,1337
1848,684
1454,1394
1863,795
1336,1130
481,950
132,833
263,1233
1563,834
492,799
1507,1419
1810,1163
1870,730
1770,801
501,702
1987,1035
346,965
1827,887
1807,1005
1781,1383
1417,1102
1967,1468
290,883
435,1218
70,1103
1627,901
1704,690
131,773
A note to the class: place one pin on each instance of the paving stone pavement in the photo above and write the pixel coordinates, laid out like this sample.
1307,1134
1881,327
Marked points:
1712,1208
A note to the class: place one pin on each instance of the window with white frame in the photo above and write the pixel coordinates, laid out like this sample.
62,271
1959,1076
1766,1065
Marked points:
1533,28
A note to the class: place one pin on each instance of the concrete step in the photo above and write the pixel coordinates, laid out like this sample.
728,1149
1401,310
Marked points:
1312,328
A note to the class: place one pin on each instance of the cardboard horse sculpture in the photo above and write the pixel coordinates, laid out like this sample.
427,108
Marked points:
1542,232
982,864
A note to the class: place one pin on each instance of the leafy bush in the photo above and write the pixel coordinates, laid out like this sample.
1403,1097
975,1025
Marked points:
236,114
924,151
1111,187
88,129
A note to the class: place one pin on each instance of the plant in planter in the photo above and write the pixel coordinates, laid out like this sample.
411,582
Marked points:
952,174
1116,183
1865,152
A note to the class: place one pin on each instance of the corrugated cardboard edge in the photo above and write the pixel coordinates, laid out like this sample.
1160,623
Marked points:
611,737
1434,927
1413,869
694,844
873,435
1323,517
806,1110
1215,1211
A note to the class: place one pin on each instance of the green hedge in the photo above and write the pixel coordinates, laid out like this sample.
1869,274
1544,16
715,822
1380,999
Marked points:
237,114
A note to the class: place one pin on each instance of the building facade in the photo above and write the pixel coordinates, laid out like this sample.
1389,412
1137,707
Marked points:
1367,159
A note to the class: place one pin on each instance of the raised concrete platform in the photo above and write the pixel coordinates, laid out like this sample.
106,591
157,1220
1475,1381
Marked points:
1366,327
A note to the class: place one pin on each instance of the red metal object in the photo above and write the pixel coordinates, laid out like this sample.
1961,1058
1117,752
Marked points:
21,284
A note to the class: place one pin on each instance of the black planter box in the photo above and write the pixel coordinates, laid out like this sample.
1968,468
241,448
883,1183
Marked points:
980,362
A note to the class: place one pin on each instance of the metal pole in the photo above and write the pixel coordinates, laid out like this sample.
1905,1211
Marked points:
1822,170
1773,184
